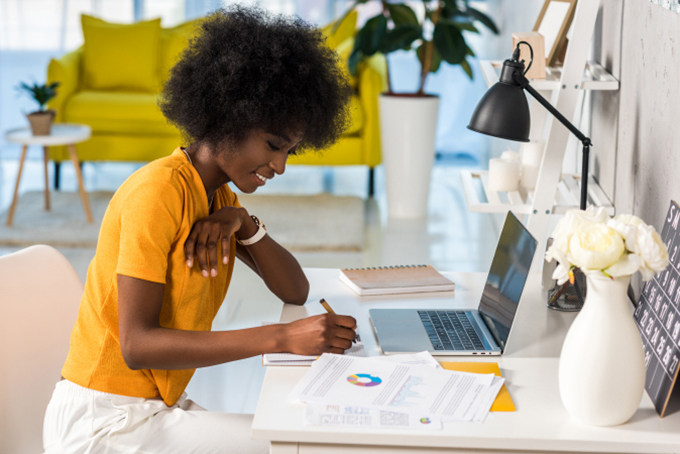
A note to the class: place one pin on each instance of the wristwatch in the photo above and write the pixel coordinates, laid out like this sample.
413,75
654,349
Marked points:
261,232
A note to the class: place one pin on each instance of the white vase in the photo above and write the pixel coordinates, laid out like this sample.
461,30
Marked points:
602,365
407,130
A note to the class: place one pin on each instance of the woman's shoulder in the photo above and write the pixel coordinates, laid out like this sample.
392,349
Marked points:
156,183
169,172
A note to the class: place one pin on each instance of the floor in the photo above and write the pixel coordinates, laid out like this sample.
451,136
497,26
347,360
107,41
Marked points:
450,238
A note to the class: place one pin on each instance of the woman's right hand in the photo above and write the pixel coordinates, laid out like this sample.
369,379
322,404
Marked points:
326,333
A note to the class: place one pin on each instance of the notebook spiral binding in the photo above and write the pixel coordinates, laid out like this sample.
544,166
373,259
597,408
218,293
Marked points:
386,267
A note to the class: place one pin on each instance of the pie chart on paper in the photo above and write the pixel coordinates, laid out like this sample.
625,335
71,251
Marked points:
365,380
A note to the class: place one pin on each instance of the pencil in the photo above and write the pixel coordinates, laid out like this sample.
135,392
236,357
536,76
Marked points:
330,310
327,306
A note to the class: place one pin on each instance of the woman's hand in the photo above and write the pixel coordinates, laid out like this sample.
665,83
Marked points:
206,234
327,333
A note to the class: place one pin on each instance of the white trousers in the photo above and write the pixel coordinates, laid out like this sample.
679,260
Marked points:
81,420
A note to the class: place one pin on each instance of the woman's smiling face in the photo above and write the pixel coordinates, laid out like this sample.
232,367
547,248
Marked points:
258,158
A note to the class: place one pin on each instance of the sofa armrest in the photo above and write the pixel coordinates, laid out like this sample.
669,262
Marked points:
372,82
66,71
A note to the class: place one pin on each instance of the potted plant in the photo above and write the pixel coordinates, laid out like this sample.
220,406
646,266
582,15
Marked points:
408,120
41,120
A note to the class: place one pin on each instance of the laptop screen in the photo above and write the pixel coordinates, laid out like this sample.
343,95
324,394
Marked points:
507,276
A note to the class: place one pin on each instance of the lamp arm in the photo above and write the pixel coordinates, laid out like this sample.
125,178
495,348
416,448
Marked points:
585,140
524,83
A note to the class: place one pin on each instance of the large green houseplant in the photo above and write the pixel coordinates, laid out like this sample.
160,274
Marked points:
408,120
398,27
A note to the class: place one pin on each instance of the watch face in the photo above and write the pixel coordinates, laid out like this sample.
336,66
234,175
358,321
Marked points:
258,222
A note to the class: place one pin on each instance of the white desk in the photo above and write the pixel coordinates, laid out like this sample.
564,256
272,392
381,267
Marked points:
540,423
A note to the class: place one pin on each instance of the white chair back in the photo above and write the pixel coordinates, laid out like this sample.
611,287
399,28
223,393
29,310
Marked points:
40,294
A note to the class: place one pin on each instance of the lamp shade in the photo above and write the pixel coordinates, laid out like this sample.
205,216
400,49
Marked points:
503,110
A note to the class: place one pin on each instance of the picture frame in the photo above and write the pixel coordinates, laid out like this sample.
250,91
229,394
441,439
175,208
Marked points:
553,23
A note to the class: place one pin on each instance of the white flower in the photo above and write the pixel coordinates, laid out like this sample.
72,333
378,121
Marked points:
625,266
561,273
629,219
571,220
652,251
593,242
595,246
627,231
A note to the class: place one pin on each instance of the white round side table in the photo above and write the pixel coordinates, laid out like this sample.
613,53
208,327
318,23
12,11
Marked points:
68,134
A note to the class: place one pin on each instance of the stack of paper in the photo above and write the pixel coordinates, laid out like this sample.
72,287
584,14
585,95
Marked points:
412,385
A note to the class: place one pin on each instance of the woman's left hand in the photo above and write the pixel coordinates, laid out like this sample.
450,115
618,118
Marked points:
208,232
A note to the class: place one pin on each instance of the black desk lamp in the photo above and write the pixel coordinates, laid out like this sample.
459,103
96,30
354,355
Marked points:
504,111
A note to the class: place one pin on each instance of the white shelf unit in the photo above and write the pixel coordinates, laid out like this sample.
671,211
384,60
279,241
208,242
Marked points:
595,77
554,193
568,195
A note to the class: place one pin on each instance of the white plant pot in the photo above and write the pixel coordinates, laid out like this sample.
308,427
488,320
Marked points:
408,125
602,365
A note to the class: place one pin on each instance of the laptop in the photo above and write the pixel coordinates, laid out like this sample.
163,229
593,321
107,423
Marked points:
466,332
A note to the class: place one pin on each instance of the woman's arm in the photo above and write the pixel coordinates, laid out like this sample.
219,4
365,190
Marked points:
278,268
147,345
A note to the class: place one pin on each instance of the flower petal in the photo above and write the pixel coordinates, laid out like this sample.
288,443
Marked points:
625,266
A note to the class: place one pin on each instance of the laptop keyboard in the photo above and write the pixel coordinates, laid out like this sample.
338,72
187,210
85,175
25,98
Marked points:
450,330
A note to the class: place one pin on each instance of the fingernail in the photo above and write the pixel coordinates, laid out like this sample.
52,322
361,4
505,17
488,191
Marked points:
189,263
213,272
204,273
225,260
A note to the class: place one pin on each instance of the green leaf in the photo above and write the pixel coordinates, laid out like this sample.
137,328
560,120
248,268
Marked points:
469,51
436,57
449,40
370,38
466,25
354,59
481,17
400,38
40,93
450,9
402,14
468,70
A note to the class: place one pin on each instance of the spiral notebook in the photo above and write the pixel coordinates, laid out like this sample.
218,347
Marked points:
391,280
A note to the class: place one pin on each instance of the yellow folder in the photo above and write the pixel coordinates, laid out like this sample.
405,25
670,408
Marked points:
503,401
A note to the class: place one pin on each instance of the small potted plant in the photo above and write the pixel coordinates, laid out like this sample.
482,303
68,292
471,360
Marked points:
408,120
41,120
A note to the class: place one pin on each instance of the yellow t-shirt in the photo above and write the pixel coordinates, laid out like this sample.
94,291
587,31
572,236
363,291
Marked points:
142,236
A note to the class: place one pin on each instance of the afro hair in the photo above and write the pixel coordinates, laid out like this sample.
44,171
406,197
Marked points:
248,69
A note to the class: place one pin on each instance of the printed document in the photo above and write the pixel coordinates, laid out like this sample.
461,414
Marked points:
342,415
394,387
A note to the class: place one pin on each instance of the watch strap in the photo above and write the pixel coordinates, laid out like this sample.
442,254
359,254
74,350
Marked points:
261,232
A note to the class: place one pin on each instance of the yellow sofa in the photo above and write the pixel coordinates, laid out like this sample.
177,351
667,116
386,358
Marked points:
127,124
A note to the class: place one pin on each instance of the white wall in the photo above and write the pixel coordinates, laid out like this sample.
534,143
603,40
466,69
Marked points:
636,131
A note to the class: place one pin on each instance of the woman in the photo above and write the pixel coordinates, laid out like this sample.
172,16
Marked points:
248,92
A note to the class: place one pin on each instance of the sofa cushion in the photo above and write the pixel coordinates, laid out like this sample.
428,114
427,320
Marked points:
357,115
173,42
111,112
344,50
114,112
346,29
121,56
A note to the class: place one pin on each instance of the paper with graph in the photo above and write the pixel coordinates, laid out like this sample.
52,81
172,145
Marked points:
344,415
395,387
